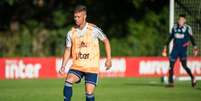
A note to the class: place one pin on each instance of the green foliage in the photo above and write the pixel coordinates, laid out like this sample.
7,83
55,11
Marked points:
146,37
60,17
136,28
11,2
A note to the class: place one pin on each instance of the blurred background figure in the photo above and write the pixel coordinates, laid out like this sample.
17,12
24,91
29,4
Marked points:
181,35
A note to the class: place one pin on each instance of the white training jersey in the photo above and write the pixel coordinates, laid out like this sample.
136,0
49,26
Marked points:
97,34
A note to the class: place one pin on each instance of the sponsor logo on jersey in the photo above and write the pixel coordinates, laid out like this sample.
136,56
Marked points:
83,55
83,44
179,36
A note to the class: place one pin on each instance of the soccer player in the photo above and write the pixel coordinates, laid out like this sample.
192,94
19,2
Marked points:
181,34
82,44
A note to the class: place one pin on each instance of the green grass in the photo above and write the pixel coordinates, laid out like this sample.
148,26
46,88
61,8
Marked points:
109,89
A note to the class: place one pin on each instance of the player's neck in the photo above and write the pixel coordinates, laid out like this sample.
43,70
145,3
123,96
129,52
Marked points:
82,25
180,26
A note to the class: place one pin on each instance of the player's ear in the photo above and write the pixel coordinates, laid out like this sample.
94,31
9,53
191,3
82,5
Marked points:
85,16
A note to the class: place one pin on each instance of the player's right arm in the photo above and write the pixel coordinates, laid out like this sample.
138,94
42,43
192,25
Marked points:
67,53
164,52
65,59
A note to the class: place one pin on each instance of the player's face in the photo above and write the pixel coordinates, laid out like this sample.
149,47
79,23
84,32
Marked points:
181,21
80,18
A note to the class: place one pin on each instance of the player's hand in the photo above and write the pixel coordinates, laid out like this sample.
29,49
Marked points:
195,51
108,64
164,52
62,70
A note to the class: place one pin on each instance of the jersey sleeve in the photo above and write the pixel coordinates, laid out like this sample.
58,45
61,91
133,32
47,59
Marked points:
191,36
190,30
173,29
99,34
68,40
171,36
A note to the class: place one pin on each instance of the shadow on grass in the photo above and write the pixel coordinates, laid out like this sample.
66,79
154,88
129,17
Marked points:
158,85
198,89
145,84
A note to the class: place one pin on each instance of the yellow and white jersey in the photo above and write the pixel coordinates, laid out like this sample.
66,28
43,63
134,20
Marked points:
85,47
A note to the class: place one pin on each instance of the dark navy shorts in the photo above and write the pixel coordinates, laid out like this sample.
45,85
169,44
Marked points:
180,53
89,77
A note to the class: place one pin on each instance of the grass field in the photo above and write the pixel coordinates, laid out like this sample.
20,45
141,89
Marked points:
109,89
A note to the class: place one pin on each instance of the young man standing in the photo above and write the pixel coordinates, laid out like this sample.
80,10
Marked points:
82,44
181,35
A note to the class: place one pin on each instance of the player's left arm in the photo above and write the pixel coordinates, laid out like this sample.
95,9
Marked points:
108,62
100,35
195,48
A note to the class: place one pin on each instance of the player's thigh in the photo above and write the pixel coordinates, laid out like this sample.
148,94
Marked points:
183,56
90,82
173,55
74,76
